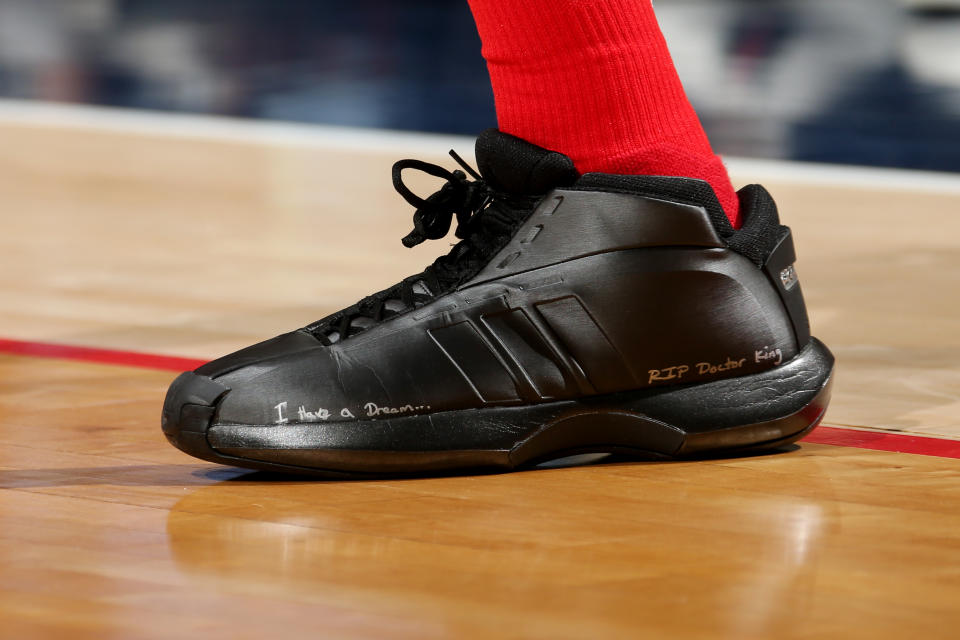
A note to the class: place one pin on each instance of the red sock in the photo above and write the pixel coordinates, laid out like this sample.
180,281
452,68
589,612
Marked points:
593,79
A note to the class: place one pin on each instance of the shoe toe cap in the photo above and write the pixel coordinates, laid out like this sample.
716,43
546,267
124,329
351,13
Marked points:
188,411
244,387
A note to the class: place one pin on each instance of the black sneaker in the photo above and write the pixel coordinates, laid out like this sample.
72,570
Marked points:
593,313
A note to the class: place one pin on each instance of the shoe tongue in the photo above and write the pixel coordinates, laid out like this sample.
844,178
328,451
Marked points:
519,167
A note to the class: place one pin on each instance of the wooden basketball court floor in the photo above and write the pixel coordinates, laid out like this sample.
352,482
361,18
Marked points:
133,246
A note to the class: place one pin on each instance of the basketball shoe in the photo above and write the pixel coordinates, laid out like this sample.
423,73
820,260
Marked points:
578,313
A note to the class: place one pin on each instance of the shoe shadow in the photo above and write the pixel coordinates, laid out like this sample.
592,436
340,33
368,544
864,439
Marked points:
133,475
566,462
185,475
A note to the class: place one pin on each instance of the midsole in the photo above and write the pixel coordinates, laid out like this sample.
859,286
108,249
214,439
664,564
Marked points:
668,417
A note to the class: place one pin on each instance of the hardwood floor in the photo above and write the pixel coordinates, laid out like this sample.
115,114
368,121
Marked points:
193,245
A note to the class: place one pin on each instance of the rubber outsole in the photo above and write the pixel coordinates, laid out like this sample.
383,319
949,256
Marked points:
755,412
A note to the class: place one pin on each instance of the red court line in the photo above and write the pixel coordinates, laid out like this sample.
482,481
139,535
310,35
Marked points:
874,440
885,441
92,354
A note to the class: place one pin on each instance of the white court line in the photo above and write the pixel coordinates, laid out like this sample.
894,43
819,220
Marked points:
217,128
814,174
220,128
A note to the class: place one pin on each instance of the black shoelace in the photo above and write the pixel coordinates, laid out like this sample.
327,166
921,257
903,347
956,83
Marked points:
486,218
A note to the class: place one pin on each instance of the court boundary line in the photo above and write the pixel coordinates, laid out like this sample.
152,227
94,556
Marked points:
98,355
851,437
862,438
372,140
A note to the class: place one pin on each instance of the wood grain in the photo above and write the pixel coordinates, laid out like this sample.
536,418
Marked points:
197,247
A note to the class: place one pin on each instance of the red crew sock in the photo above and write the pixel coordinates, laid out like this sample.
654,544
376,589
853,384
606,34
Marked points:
593,79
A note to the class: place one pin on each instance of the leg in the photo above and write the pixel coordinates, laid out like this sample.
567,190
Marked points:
594,80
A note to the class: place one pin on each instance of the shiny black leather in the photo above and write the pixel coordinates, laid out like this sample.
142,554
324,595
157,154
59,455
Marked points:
596,293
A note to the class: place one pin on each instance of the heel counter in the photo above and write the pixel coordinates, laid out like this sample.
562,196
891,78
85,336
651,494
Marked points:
779,267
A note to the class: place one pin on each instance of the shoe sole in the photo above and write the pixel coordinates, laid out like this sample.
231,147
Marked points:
749,413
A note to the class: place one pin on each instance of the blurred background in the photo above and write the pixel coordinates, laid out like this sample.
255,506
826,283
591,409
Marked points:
867,82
